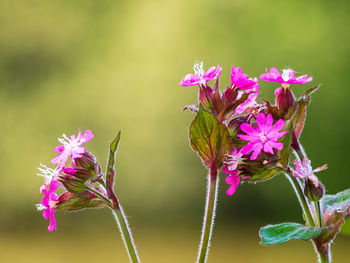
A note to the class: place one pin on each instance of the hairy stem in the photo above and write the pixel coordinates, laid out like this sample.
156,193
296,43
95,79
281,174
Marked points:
319,213
126,233
209,215
302,200
324,253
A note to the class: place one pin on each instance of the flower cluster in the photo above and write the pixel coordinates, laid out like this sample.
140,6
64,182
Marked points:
73,179
260,131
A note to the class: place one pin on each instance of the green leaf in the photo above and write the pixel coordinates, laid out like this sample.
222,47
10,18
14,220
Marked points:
264,174
311,90
335,209
282,233
210,139
110,173
115,143
340,200
286,140
299,115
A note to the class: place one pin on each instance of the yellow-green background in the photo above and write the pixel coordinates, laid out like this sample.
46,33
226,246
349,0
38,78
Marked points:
115,65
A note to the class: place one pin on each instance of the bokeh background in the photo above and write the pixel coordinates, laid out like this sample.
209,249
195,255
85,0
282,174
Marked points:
115,65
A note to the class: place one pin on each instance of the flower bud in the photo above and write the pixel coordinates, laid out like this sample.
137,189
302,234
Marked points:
72,184
313,192
89,163
234,129
284,98
77,201
205,95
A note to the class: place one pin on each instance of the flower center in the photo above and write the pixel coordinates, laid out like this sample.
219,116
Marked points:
263,137
52,203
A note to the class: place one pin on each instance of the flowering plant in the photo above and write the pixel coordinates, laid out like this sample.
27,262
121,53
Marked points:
249,140
253,140
83,184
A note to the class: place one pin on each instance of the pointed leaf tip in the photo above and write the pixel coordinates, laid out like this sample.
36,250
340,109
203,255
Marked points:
115,143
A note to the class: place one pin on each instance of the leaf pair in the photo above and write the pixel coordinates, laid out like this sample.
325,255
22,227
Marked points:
335,208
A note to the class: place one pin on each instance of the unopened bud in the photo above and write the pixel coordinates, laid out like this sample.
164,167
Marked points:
234,129
88,162
284,98
71,183
78,201
313,192
205,94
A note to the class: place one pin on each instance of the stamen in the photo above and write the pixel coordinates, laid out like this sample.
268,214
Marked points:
198,69
285,74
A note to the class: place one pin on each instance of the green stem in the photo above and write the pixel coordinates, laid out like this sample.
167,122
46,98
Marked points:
126,233
209,215
319,213
302,200
324,253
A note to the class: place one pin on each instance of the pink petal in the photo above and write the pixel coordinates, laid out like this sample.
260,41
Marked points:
88,135
275,71
268,147
261,121
276,145
234,180
52,225
257,150
248,129
225,170
59,148
319,169
278,125
248,148
248,137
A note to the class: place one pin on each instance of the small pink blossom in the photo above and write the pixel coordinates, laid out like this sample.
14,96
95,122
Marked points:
233,180
71,147
251,100
304,170
232,161
200,77
287,77
48,203
264,137
231,165
240,80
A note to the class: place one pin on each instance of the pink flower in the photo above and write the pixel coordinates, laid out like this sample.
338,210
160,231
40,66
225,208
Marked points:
200,78
251,100
287,77
48,203
264,137
233,180
71,147
240,80
232,161
231,164
304,170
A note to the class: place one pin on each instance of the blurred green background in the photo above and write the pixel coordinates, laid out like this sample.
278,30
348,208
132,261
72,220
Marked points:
115,65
